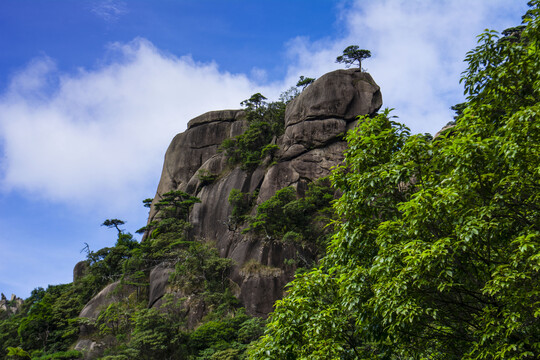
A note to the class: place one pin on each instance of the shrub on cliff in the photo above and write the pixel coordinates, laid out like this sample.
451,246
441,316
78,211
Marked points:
302,220
265,122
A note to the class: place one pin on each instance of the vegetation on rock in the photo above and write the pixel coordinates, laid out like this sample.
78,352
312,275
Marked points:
304,82
304,221
48,324
265,123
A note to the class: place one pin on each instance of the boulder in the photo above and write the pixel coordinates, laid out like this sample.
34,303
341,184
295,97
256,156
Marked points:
111,293
91,349
304,136
190,149
259,293
300,170
12,306
79,270
341,94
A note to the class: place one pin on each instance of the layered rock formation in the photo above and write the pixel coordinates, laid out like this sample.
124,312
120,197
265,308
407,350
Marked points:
312,144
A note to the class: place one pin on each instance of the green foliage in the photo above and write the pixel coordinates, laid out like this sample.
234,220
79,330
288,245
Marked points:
113,223
241,203
436,253
17,353
271,219
155,336
47,322
199,268
115,319
229,354
226,338
206,177
147,202
352,54
304,82
175,204
288,95
168,231
303,221
265,122
65,355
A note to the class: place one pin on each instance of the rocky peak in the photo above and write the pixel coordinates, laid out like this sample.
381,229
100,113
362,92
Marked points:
11,306
311,145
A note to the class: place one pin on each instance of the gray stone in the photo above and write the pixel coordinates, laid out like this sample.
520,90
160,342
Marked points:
278,177
111,293
91,349
159,280
79,270
192,148
260,292
215,116
341,94
306,135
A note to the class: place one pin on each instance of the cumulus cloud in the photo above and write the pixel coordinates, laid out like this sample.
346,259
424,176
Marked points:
98,137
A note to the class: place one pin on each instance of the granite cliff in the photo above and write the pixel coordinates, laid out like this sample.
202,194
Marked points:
311,145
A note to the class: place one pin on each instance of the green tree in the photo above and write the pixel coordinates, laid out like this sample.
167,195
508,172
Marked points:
304,82
437,250
353,54
110,223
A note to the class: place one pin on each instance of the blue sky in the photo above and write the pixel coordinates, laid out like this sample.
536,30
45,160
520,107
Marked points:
92,92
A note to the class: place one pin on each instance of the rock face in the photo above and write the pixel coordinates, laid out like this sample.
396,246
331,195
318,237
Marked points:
11,306
159,277
79,270
111,293
115,292
189,150
312,144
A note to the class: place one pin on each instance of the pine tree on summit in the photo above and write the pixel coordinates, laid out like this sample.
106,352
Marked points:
352,54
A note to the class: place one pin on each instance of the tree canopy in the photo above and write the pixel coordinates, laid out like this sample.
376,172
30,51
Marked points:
437,251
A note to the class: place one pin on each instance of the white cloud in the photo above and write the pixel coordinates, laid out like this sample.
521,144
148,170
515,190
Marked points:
109,10
98,137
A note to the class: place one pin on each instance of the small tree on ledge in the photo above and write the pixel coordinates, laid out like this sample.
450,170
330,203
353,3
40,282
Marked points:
353,54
